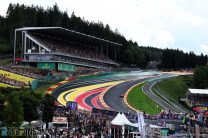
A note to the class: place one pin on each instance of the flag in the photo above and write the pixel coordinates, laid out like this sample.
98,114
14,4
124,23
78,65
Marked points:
141,123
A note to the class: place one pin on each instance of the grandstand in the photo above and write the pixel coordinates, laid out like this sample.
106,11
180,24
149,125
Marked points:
197,97
62,49
9,79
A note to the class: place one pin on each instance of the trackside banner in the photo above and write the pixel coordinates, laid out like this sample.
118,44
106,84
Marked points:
46,65
17,131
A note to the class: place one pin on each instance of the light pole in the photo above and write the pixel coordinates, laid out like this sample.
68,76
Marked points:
14,46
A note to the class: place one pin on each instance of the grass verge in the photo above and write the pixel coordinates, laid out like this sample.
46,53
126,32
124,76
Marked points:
42,89
139,100
175,88
5,62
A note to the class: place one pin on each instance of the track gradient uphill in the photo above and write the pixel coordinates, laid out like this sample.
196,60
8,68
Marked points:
81,99
73,94
112,97
91,94
80,83
94,101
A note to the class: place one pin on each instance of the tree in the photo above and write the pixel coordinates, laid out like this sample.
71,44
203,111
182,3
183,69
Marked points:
139,57
128,57
41,17
201,77
30,103
176,59
2,102
13,112
65,20
129,53
47,108
54,16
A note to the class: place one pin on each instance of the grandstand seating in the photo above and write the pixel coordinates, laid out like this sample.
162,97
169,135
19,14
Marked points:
12,82
197,100
78,61
14,79
4,85
67,47
20,71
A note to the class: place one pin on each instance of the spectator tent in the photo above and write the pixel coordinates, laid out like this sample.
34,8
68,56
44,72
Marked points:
121,122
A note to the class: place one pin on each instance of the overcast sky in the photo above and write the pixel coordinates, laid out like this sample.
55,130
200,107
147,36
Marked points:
179,24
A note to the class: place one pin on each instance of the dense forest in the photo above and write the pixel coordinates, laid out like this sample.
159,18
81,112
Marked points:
178,59
200,79
130,54
24,105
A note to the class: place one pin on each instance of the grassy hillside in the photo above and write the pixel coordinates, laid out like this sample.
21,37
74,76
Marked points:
42,89
175,87
139,100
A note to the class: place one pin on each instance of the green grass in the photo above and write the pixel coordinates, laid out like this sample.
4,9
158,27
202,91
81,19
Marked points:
42,89
5,62
139,100
175,88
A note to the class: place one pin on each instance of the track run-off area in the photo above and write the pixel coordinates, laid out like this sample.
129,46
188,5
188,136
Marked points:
106,92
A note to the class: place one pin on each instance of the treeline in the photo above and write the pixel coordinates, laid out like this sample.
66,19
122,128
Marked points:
138,56
27,16
17,16
130,54
178,59
200,79
17,105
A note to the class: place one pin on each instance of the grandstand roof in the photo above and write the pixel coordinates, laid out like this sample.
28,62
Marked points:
198,91
68,34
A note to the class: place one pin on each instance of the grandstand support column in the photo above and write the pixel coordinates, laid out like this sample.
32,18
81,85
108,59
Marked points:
25,42
101,49
39,49
14,46
107,51
119,53
22,45
115,53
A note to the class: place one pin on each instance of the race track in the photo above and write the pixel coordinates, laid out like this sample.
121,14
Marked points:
113,99
104,93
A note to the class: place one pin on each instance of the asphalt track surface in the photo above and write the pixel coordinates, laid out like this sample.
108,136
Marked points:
164,103
81,93
89,101
111,102
112,96
80,83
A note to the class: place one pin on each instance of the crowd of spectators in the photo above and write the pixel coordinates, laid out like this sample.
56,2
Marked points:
71,48
96,123
81,124
21,71
200,118
76,61
80,61
4,79
85,71
164,114
196,123
197,100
